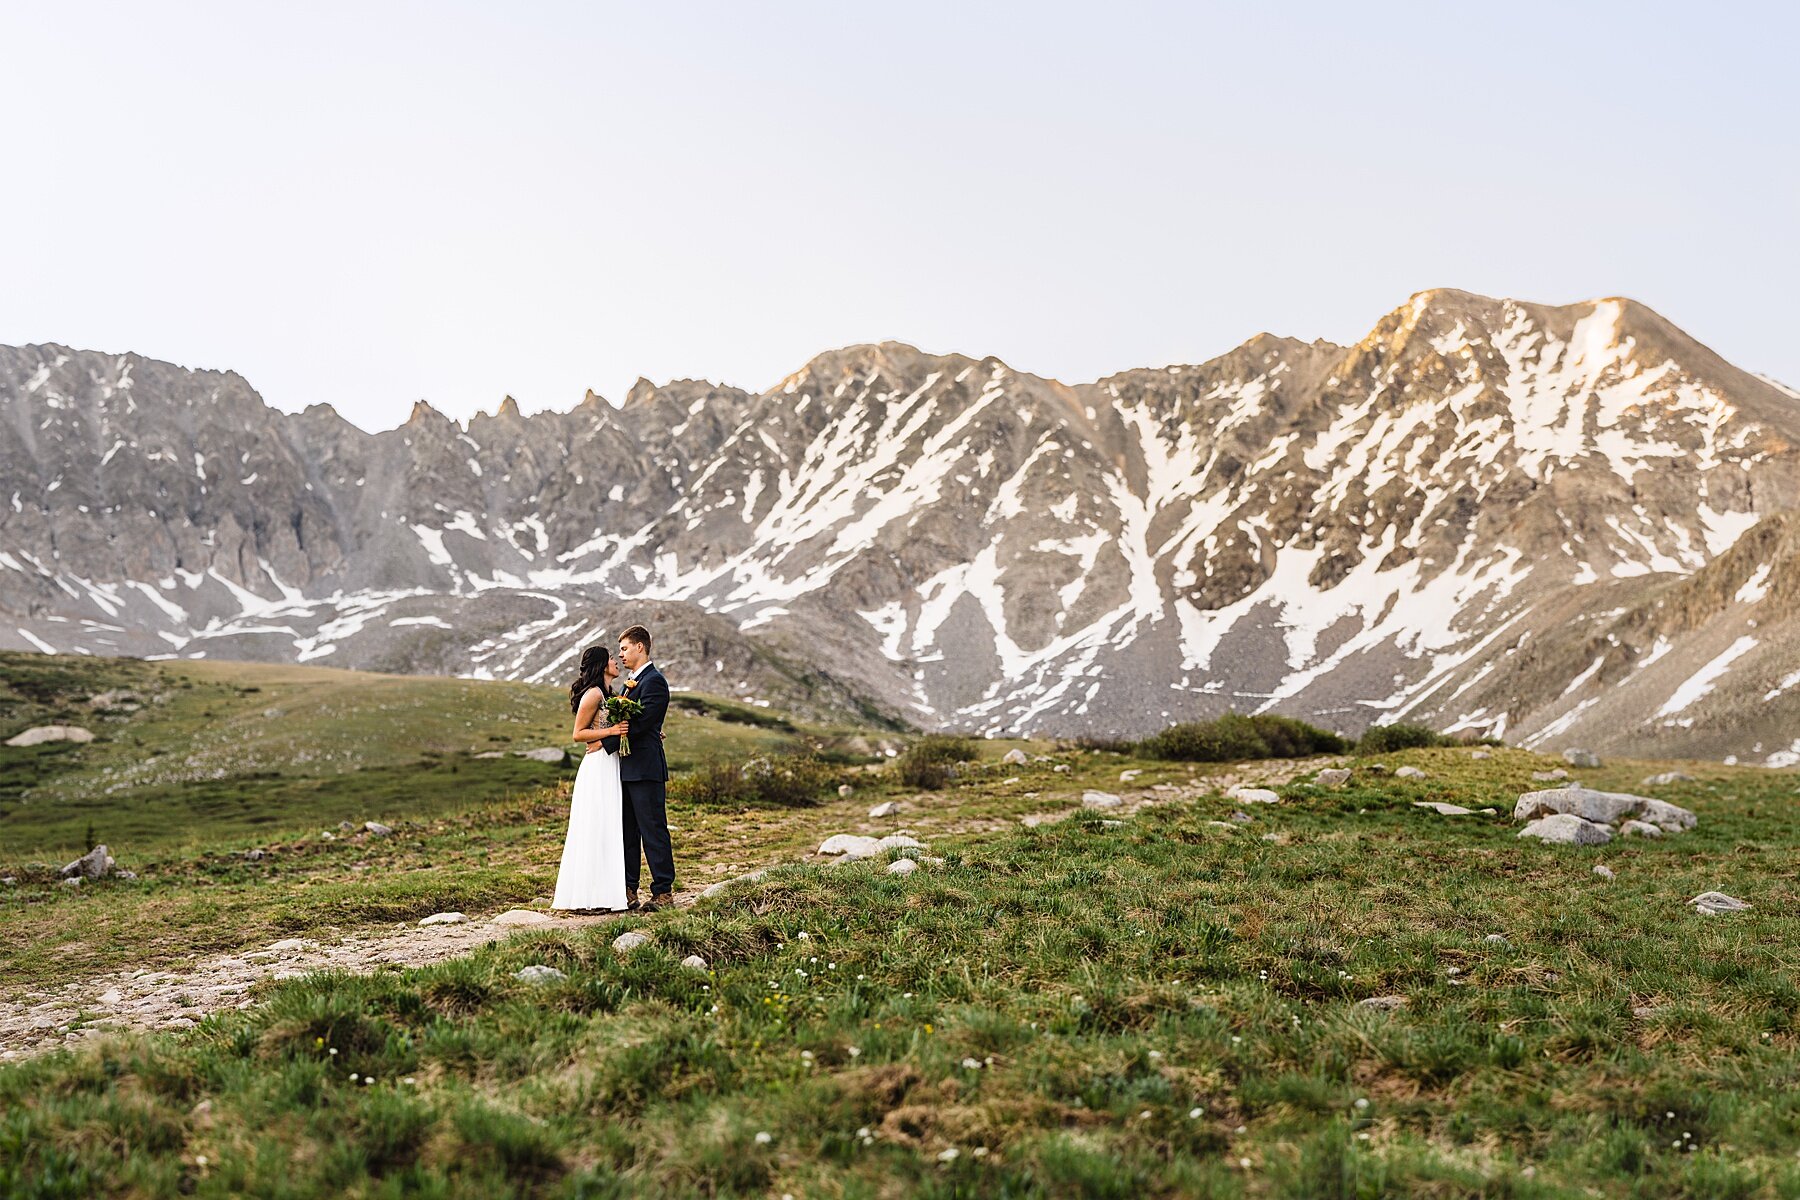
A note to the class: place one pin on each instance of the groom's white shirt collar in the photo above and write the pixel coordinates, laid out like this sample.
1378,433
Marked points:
647,665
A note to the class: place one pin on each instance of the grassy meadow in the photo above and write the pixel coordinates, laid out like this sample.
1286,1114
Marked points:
1161,1004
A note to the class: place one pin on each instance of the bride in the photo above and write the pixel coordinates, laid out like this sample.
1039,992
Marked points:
592,875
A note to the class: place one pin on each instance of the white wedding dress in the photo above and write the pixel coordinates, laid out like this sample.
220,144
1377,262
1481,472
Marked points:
592,874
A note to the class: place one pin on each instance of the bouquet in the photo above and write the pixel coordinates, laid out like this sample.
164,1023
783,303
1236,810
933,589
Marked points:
622,708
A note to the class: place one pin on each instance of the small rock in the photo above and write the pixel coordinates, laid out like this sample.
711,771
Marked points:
1713,903
1644,1012
1128,776
1227,826
291,945
178,1023
539,973
902,866
521,917
1604,871
1332,777
899,841
1250,795
1109,824
543,754
95,864
1377,768
885,809
629,941
1241,818
111,996
694,962
1581,758
253,856
1100,800
203,1109
327,836
1382,1003
719,887
1060,767
346,827
74,883
127,876
443,918
1438,806
492,754
851,845
1014,758
1567,829
1271,837
9,880
1635,828
377,828
1409,773
1497,939
1549,776
50,733
1478,755
845,790
1666,778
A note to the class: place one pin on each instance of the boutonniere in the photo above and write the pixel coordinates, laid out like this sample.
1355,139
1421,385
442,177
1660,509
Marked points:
629,684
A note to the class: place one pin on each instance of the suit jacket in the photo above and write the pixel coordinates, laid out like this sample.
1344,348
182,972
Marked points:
646,760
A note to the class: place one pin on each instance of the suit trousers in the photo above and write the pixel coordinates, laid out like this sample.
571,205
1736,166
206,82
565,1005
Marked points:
647,832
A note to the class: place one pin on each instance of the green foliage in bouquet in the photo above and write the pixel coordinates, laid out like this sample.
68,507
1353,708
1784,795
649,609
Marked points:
622,708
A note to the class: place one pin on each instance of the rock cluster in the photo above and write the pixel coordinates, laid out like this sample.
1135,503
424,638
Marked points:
1582,816
50,733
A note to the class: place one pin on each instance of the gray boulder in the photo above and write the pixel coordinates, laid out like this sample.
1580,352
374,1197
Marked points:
1014,758
851,845
95,864
886,808
1581,758
1332,777
1479,755
1250,795
627,942
1567,829
1635,828
443,918
1100,800
543,754
1548,776
539,973
902,866
1438,806
694,962
377,828
1666,778
1605,808
1604,871
1409,773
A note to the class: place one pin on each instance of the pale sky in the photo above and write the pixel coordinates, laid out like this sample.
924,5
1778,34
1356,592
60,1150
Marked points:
372,203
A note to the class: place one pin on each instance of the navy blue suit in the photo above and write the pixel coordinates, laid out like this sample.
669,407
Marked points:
643,775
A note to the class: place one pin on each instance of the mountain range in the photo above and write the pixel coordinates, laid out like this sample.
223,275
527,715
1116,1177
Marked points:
1557,525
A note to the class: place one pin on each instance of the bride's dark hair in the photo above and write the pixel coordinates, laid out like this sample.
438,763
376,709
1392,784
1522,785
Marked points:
592,674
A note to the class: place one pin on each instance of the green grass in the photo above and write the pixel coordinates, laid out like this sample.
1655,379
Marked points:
247,753
1062,999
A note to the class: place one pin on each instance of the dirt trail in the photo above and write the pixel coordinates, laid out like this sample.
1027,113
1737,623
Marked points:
141,1000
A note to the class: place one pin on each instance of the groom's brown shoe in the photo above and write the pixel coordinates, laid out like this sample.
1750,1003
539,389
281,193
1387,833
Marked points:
658,903
631,900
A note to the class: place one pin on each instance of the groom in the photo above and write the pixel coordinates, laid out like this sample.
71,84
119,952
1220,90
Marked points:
642,774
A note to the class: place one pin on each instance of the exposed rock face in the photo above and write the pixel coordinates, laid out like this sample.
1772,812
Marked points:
1495,516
